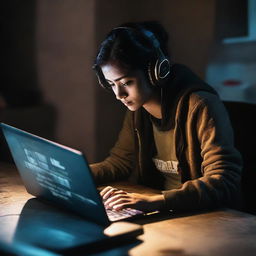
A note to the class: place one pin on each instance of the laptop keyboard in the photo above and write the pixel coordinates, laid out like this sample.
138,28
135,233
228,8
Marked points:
122,214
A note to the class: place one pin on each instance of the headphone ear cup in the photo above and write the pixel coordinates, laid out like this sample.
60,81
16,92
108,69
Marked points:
158,71
163,69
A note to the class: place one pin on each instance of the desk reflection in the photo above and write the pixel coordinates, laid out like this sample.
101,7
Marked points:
44,226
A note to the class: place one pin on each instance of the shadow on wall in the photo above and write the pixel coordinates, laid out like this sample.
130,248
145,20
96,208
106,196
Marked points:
21,101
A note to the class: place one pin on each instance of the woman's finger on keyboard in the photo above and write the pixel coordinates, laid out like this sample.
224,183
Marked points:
110,191
118,204
107,191
115,198
121,203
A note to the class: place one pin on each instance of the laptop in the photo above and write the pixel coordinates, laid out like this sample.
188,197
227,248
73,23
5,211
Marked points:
59,174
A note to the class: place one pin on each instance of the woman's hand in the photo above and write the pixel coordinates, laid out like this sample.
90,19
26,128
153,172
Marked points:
118,199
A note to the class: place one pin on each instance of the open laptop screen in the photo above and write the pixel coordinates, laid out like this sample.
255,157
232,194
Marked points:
56,173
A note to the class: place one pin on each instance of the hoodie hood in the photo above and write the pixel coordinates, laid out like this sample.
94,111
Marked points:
181,83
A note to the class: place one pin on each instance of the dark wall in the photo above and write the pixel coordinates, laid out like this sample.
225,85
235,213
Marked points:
231,19
19,82
21,99
49,46
65,45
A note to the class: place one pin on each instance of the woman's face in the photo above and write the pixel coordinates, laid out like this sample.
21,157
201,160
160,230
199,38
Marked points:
131,88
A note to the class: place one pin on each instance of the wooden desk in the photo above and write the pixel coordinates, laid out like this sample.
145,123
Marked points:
220,232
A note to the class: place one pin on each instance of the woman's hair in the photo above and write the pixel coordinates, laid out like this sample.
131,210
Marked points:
130,47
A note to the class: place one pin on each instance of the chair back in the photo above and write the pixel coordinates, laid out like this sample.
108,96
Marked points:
242,116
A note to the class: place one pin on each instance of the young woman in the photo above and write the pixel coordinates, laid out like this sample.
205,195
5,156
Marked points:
176,134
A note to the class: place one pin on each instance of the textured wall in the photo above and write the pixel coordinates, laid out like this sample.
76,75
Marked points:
60,38
65,43
191,28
